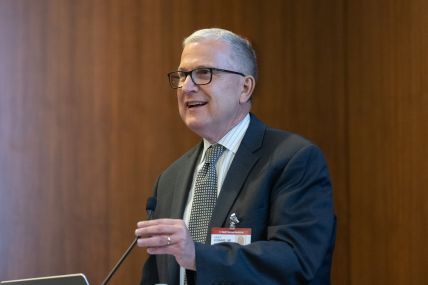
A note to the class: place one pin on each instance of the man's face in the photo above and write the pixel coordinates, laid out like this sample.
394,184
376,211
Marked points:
211,110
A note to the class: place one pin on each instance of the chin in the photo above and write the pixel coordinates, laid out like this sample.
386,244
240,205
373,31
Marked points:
198,127
193,120
194,126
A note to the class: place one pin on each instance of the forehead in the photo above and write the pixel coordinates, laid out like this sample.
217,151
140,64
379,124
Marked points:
206,53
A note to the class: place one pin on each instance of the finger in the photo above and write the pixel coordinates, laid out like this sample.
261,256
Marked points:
155,241
161,227
159,222
155,230
168,248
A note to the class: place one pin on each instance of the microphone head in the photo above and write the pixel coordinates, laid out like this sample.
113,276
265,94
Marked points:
151,204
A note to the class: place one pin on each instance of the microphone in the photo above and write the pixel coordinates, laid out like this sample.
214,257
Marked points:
150,208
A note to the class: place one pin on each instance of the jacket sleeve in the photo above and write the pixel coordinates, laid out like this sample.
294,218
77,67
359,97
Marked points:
300,233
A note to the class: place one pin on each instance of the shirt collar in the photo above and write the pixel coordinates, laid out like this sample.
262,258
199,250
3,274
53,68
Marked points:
233,138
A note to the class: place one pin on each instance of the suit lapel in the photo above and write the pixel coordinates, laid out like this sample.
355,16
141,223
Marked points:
241,166
183,182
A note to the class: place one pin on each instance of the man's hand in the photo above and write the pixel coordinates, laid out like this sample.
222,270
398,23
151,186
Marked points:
167,236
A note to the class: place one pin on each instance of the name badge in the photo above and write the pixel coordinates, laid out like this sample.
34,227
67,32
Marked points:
238,235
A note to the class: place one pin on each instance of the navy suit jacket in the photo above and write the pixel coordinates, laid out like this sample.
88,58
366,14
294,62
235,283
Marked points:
278,185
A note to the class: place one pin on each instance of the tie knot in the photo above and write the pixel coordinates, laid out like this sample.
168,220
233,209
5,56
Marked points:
213,153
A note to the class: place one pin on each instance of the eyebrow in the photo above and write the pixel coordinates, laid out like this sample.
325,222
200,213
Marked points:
199,66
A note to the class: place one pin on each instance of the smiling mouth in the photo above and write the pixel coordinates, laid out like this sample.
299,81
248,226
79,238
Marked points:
195,104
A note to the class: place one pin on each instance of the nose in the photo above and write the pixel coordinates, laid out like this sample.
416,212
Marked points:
189,85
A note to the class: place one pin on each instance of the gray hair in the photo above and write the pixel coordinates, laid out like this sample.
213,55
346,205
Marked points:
243,52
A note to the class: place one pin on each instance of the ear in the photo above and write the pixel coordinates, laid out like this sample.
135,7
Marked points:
247,89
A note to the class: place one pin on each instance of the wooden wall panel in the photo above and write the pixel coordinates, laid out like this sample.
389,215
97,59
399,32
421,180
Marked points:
388,134
87,120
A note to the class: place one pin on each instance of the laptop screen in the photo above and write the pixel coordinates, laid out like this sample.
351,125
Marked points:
71,279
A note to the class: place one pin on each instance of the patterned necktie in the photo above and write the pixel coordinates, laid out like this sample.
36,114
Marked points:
205,195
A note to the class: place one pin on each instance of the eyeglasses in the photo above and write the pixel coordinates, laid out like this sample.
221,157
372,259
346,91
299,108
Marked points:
199,76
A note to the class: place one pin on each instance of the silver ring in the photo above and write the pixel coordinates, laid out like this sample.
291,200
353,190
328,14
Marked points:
169,240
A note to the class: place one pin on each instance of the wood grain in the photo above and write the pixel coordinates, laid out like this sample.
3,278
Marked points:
388,60
87,122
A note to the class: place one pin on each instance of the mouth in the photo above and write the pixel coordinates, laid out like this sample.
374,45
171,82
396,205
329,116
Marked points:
195,104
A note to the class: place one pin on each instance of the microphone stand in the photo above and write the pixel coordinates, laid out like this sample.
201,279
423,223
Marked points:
150,207
113,271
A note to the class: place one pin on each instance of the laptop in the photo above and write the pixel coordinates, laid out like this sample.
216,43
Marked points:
70,279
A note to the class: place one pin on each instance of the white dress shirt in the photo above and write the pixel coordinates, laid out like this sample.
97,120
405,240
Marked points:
231,141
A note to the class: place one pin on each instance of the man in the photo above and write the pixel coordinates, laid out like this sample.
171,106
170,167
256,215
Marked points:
273,183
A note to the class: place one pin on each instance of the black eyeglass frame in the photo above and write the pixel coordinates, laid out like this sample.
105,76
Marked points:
187,73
